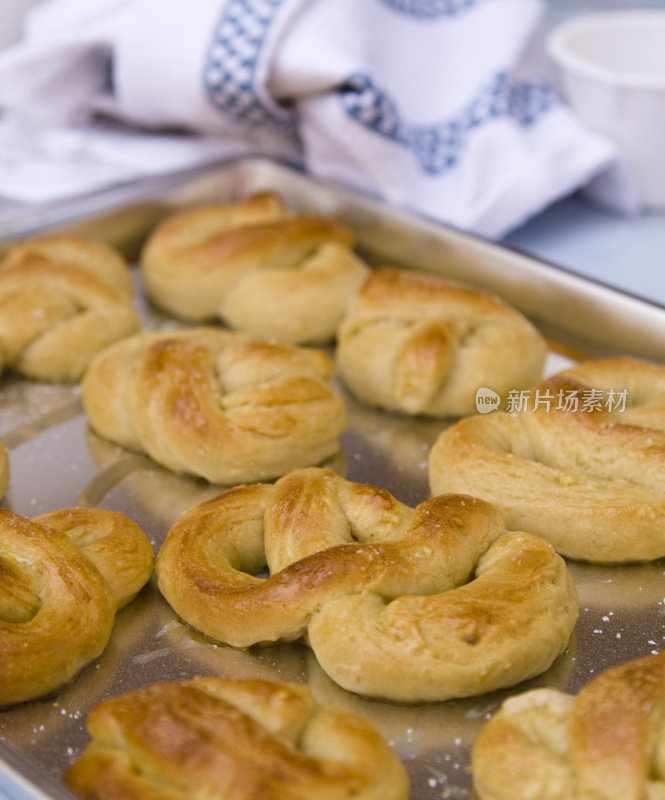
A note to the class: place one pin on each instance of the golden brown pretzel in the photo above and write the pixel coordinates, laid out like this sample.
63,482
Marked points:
592,482
255,265
115,544
62,299
383,592
216,404
421,344
64,576
605,743
242,739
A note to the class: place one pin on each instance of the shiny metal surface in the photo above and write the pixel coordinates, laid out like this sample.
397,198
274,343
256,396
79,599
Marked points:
57,461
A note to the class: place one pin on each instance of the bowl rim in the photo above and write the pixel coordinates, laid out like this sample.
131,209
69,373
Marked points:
560,53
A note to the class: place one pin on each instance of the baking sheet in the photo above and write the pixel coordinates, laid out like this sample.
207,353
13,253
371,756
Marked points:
57,461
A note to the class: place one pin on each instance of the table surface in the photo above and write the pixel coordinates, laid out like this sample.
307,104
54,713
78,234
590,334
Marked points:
625,252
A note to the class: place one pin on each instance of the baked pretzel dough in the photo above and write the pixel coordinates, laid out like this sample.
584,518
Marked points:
256,266
403,604
62,300
63,577
115,544
606,743
216,404
420,344
592,482
220,738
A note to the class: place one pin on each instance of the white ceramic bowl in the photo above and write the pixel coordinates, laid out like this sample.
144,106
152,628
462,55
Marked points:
611,69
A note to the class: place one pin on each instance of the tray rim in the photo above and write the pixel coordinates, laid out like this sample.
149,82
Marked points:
41,220
596,301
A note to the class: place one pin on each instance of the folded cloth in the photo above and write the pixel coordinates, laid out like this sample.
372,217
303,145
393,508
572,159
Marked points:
440,106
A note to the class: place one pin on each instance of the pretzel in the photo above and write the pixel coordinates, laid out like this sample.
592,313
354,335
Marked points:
605,742
421,344
218,738
114,543
62,300
381,591
64,576
592,482
215,404
256,266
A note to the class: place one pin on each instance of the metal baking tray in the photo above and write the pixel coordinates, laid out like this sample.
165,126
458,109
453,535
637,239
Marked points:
57,461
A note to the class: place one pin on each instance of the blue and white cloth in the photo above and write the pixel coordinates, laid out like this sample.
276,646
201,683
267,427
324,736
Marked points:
441,106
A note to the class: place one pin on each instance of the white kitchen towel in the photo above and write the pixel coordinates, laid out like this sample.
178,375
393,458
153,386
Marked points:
440,106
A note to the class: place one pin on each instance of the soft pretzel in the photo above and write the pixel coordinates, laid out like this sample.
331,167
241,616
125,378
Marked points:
420,344
62,299
114,543
64,576
605,743
256,266
592,482
396,603
216,404
217,738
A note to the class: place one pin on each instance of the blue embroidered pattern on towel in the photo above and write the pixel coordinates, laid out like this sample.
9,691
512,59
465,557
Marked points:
429,9
439,147
230,69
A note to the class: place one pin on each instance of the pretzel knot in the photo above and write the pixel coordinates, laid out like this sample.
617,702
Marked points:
62,300
419,344
397,603
63,576
216,404
256,266
220,738
605,742
590,480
